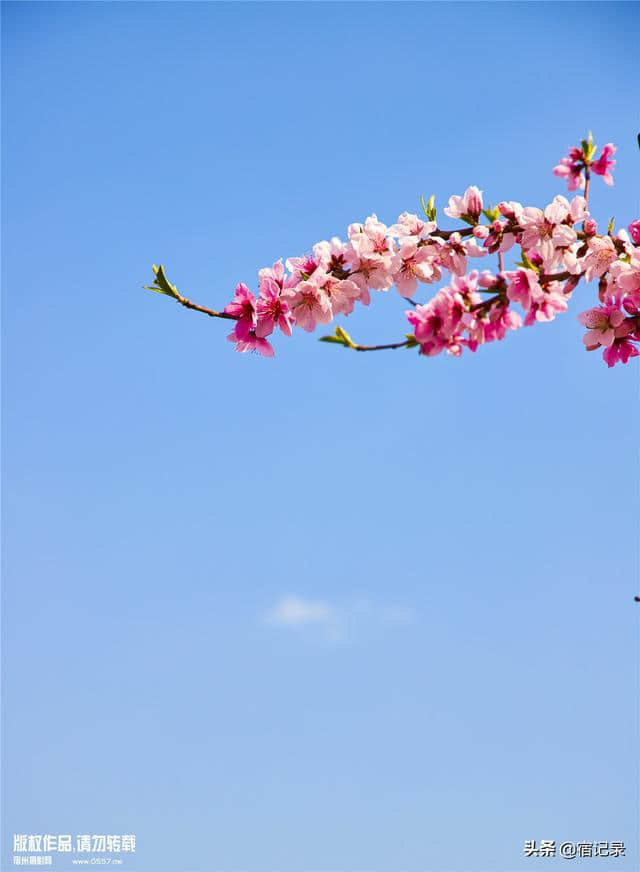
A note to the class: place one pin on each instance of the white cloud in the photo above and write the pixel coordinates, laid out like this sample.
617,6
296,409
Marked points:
293,611
338,621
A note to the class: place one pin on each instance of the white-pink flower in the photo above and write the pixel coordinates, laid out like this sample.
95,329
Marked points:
570,168
342,294
524,288
624,278
410,225
468,207
416,265
333,255
452,254
552,302
371,238
275,273
310,305
601,254
374,272
578,209
545,231
604,323
511,210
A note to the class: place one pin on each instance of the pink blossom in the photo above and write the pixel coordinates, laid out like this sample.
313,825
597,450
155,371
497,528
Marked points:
578,210
371,238
342,294
502,318
452,254
619,352
432,324
510,210
410,225
603,323
310,305
251,342
272,310
625,278
332,256
417,265
605,163
468,206
601,254
524,288
552,302
305,268
570,168
276,273
486,279
243,308
546,231
573,258
634,231
499,237
374,272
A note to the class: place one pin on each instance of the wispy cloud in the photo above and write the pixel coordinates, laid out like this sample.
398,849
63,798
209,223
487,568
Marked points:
294,611
337,621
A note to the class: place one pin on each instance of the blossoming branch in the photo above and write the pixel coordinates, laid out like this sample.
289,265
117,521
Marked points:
559,246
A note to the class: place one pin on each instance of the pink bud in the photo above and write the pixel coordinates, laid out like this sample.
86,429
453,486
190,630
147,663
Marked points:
634,230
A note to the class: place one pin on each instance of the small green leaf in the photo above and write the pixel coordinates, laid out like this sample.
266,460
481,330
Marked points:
342,333
611,225
412,342
588,147
331,339
429,207
161,284
340,337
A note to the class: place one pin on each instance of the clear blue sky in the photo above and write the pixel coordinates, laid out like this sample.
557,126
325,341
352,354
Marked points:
462,532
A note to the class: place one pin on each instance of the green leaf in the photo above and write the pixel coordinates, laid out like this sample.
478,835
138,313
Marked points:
342,333
611,225
331,339
429,207
161,284
412,342
340,337
588,147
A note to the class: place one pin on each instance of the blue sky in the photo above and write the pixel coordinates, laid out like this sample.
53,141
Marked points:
328,611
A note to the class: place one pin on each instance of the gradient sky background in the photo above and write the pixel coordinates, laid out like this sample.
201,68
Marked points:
461,532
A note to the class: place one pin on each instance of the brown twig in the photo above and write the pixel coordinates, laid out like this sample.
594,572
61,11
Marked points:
212,313
357,347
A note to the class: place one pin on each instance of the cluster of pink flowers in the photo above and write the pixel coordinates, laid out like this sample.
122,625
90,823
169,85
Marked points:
614,325
578,165
558,246
336,275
